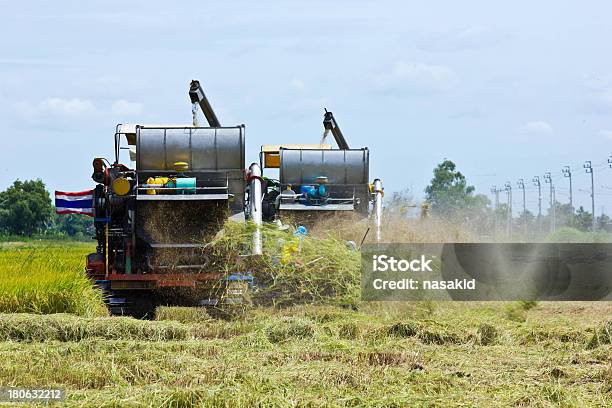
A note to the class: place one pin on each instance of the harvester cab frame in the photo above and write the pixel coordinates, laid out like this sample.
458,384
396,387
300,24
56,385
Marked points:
315,178
154,217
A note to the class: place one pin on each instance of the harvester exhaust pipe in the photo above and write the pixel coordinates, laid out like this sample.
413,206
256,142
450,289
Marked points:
255,207
378,197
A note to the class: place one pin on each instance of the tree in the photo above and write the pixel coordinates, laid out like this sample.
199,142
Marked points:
400,203
583,219
563,215
519,222
604,223
74,225
448,191
25,207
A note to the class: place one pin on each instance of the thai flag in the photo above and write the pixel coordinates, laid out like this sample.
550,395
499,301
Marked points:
74,203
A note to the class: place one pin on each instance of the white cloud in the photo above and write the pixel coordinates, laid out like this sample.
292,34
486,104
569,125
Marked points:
298,85
62,113
600,101
606,133
56,107
122,107
31,62
462,39
598,94
538,127
66,107
416,77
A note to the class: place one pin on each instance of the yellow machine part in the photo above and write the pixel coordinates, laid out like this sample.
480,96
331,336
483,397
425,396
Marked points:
272,160
271,153
181,166
121,186
157,181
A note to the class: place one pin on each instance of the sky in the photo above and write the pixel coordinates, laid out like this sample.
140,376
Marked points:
505,90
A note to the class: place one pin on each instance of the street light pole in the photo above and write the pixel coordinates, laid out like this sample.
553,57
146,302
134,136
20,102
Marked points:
495,191
567,172
548,179
521,185
536,182
589,169
509,190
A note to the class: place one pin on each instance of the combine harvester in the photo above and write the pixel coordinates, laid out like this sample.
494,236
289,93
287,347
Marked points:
154,217
315,180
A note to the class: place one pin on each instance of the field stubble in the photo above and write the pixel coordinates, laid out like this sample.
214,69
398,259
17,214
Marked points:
308,341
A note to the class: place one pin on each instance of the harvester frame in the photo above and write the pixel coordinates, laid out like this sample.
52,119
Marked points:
196,170
315,178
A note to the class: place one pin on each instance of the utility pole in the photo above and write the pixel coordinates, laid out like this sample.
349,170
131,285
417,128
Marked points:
509,210
521,185
589,169
554,193
496,191
567,172
548,179
536,182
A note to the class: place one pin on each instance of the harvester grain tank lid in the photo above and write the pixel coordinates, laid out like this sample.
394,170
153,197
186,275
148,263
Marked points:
129,129
274,148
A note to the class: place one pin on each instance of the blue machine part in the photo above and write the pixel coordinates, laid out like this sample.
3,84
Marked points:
308,191
313,194
322,190
186,184
301,231
314,191
245,277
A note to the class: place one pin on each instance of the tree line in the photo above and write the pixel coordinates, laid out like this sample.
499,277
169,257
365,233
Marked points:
449,196
26,210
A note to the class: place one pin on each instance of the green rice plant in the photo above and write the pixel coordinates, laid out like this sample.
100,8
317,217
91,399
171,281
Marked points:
403,329
441,335
182,314
288,329
324,270
516,313
568,234
66,327
487,334
348,331
602,335
47,278
118,361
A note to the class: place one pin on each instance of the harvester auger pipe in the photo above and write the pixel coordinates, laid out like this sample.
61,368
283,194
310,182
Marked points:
255,204
196,94
330,124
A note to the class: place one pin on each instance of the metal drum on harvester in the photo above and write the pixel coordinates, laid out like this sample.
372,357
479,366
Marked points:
345,167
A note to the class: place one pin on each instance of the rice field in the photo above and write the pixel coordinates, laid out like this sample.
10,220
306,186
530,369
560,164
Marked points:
306,342
47,277
382,355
